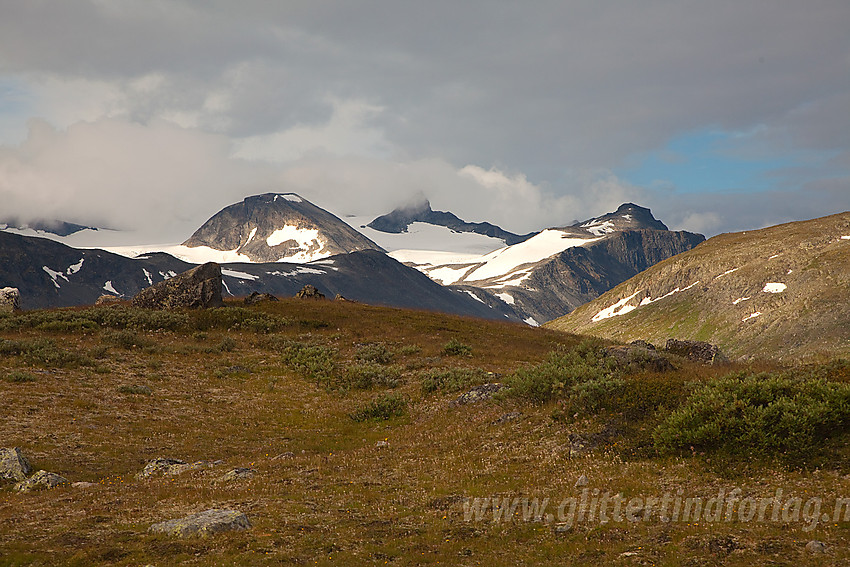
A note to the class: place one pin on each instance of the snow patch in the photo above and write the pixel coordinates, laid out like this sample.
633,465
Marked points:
54,275
239,275
774,287
531,321
619,308
148,276
774,256
296,271
475,297
168,275
845,237
727,272
289,197
108,287
74,268
251,236
597,228
751,316
739,300
506,297
227,289
647,300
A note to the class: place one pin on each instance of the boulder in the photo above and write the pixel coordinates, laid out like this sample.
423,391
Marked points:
309,292
239,473
199,287
108,300
640,357
816,547
204,523
479,393
165,467
42,480
257,297
698,351
14,466
10,300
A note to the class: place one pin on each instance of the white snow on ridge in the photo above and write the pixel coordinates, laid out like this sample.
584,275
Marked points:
425,238
303,236
727,272
148,276
251,236
74,268
296,271
289,197
475,297
599,228
54,275
531,321
619,308
751,316
506,297
239,275
739,300
108,287
647,300
774,287
845,237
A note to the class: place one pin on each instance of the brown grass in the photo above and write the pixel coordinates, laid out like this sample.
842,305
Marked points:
325,492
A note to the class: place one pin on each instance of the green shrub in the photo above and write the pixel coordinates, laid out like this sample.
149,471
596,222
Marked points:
126,339
384,407
19,376
758,414
452,379
456,348
561,371
135,389
409,350
313,361
43,352
236,318
368,375
227,344
374,352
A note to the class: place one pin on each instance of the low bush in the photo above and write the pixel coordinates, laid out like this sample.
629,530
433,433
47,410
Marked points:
316,362
374,352
758,414
382,408
44,352
19,376
236,318
368,375
135,389
451,380
456,348
126,339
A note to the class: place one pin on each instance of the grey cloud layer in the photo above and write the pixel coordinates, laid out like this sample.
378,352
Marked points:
549,89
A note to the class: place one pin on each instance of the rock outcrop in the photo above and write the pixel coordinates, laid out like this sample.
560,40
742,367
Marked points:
698,351
14,466
204,523
479,393
163,467
309,292
257,297
10,300
196,288
42,480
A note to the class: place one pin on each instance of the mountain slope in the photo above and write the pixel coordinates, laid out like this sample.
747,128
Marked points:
627,217
779,292
278,227
401,218
51,274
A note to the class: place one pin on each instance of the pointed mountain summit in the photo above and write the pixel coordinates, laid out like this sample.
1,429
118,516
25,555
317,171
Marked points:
275,227
401,218
627,217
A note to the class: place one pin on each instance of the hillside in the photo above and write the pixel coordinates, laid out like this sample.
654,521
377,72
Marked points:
782,292
334,428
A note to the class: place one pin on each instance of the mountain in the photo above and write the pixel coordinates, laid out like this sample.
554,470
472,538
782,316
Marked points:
277,227
51,274
558,269
400,219
56,227
779,292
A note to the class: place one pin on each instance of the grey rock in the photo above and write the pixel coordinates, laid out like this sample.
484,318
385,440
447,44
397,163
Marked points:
199,287
10,300
309,292
204,523
505,418
83,484
698,351
42,480
562,528
638,356
479,393
172,467
816,547
582,481
14,466
283,456
239,473
257,297
108,300
382,444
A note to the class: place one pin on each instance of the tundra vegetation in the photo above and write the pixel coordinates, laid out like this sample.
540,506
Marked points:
343,414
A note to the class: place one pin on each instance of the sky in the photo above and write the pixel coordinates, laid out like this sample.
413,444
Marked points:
151,116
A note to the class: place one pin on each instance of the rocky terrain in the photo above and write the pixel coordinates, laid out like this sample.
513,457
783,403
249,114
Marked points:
278,227
781,292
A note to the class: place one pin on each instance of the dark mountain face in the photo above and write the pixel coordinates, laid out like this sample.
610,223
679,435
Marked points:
279,227
400,219
51,274
57,227
577,275
627,217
